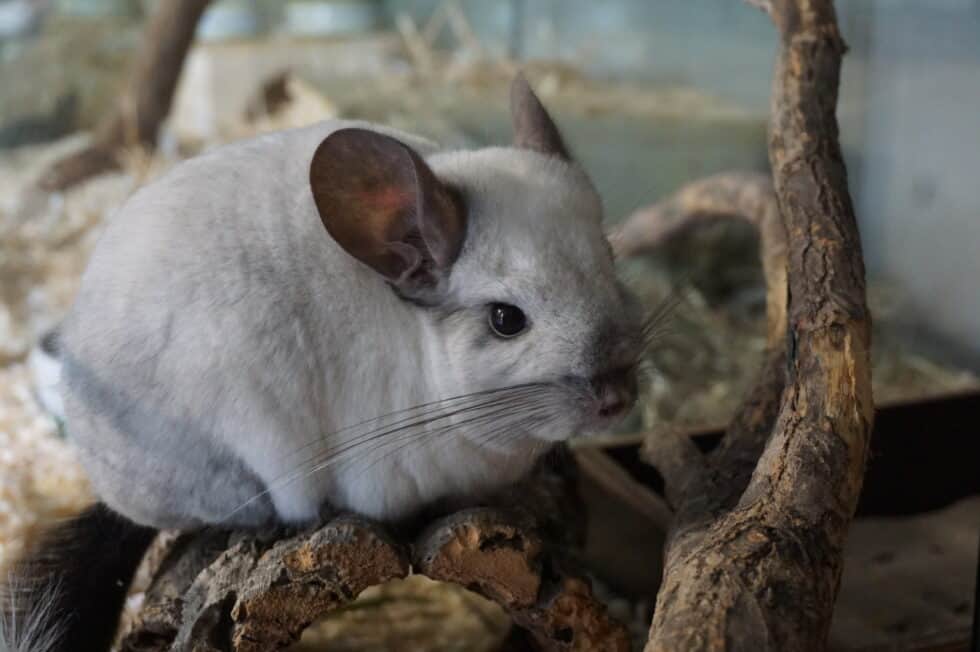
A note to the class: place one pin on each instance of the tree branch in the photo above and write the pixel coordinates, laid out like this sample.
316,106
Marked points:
683,467
759,569
145,102
746,196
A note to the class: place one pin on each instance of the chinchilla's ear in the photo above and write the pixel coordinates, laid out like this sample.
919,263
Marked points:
380,201
533,127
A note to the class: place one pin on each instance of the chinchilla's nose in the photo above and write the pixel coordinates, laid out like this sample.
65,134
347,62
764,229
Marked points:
615,392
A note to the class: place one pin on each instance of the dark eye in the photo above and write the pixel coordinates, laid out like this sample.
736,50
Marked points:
506,320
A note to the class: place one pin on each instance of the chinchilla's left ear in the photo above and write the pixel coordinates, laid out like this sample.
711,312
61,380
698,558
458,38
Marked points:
533,127
383,204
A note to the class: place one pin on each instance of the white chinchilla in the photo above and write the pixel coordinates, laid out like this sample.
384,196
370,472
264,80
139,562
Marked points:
246,321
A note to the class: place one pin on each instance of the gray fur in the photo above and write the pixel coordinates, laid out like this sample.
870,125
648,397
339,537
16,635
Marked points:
219,330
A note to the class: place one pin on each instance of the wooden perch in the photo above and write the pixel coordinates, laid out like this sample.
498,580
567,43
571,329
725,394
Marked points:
220,591
145,102
753,561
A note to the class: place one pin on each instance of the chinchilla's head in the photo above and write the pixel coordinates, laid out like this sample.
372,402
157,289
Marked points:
503,247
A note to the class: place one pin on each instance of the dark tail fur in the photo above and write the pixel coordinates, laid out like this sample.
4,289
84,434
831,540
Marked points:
68,594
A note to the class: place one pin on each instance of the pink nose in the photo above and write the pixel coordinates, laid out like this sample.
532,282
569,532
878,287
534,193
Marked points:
615,392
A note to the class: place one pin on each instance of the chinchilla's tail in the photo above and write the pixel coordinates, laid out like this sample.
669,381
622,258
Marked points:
67,595
44,362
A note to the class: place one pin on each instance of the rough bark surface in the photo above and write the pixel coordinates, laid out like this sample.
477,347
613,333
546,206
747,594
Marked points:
753,560
144,103
219,591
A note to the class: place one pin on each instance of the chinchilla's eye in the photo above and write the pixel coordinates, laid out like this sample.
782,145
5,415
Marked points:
506,320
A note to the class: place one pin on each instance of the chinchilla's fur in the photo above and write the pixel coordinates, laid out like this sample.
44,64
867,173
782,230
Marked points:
301,320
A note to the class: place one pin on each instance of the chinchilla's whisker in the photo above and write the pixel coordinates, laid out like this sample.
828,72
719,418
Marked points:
662,312
510,432
356,445
506,412
385,433
361,439
424,407
510,416
391,447
323,459
534,416
658,322
506,436
654,338
409,436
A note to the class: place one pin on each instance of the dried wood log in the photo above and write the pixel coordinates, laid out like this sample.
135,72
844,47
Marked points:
145,102
501,556
228,591
242,592
759,568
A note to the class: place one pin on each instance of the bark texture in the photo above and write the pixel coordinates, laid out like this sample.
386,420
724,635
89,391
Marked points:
225,591
753,560
144,103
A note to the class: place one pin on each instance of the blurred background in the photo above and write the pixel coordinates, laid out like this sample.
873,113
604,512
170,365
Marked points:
651,94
